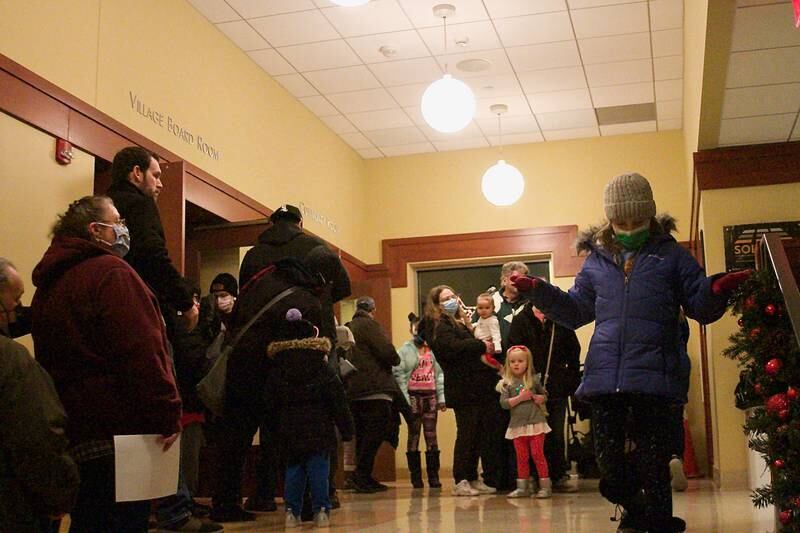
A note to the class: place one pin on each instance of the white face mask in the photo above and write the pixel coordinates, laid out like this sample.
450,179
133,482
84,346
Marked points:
225,303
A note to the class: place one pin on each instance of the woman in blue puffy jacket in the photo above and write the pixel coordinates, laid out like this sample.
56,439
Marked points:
633,283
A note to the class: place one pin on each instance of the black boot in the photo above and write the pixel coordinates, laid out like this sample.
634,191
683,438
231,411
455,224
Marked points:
632,500
672,524
432,464
415,469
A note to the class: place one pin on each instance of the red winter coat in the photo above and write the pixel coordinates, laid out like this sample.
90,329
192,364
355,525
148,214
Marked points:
98,331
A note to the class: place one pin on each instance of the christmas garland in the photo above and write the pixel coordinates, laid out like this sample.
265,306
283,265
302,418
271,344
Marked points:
767,352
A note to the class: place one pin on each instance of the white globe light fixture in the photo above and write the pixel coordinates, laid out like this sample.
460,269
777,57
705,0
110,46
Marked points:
502,184
349,3
448,104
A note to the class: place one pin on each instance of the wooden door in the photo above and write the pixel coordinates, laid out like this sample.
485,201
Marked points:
172,208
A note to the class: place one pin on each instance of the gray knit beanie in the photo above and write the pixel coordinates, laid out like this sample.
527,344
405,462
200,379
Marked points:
629,196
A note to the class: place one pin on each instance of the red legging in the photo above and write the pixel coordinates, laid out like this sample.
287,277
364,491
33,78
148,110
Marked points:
534,443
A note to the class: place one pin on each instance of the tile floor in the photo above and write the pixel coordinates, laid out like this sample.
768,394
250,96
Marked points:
403,509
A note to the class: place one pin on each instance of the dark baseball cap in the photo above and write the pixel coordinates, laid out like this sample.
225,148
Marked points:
286,211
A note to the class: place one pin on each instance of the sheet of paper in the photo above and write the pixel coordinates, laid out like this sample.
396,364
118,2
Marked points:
143,471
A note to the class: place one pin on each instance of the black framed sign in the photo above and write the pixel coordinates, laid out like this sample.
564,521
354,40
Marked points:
741,241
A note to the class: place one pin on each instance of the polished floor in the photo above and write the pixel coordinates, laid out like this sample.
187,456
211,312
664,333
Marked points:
404,509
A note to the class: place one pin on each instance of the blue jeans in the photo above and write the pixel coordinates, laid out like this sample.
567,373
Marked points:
316,468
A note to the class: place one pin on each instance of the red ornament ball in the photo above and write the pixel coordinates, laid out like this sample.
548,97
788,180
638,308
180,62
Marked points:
792,393
754,333
750,302
773,366
785,517
778,463
783,414
777,403
770,310
758,389
740,322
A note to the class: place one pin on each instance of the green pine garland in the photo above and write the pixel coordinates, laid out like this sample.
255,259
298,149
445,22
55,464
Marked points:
767,352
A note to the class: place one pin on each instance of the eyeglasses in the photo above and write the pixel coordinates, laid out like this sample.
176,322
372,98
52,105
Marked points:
112,224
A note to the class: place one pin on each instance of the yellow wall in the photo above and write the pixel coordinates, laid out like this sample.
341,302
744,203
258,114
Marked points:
754,204
272,148
695,14
35,190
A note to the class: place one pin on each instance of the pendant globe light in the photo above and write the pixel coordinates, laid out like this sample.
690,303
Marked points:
349,3
448,104
502,184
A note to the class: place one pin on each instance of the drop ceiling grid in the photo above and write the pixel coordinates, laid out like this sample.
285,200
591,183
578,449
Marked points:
359,85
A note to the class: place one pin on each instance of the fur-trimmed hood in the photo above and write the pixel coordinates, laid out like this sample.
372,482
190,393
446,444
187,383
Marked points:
602,235
318,344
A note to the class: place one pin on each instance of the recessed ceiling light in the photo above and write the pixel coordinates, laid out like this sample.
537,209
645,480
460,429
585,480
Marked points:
387,51
473,65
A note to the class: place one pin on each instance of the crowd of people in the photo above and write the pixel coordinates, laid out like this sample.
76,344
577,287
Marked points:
122,341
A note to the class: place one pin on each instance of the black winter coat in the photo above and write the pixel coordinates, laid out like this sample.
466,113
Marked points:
307,399
565,375
374,356
191,365
286,240
467,381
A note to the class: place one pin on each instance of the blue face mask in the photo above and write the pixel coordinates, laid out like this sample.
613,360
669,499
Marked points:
450,306
122,241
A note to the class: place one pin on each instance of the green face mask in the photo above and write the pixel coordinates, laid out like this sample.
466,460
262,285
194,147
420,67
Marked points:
634,239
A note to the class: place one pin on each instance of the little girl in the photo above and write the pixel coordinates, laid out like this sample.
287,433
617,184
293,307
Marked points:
521,392
487,328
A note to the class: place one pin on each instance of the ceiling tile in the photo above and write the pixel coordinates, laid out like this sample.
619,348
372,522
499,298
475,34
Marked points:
461,144
633,93
498,63
408,95
370,153
378,16
750,130
319,106
766,100
415,112
494,86
339,124
632,127
558,79
421,12
295,28
357,101
471,131
516,138
668,68
544,56
513,8
610,20
575,133
567,120
396,136
380,120
478,35
616,48
215,10
764,27
603,74
583,4
263,8
764,67
666,14
670,109
560,101
318,56
407,71
297,85
517,105
670,124
243,35
667,43
356,140
669,89
408,149
339,80
271,61
510,125
406,45
535,29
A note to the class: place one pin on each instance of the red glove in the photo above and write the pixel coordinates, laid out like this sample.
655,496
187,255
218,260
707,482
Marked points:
524,283
728,283
491,361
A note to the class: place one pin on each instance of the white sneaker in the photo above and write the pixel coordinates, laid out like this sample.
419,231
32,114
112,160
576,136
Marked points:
322,518
482,487
566,484
463,488
291,520
679,481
